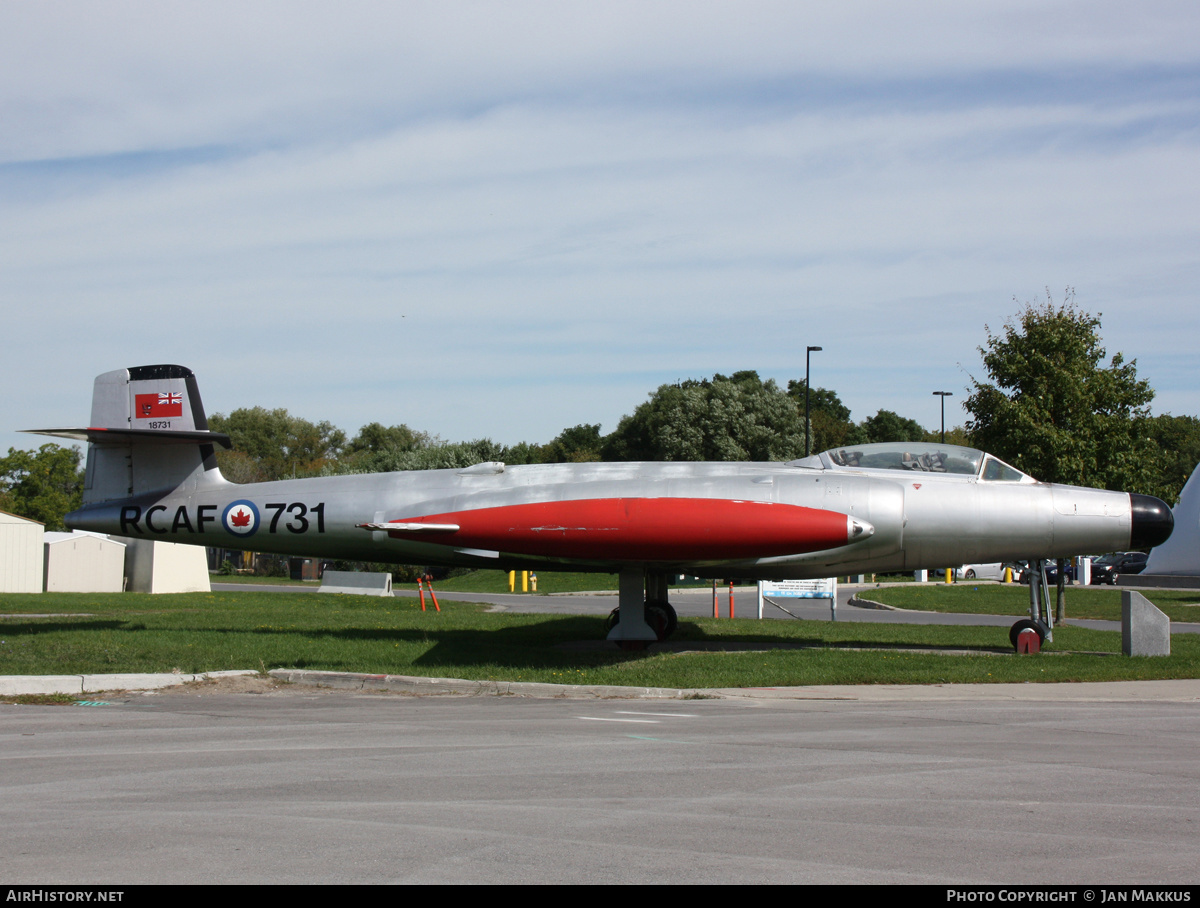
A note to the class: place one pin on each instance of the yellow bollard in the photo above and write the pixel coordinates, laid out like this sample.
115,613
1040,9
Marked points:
524,581
949,575
1008,575
512,581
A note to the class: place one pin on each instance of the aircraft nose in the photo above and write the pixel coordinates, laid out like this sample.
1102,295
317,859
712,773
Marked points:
1152,521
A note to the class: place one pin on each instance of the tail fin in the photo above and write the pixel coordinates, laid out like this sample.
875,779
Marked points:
148,433
1180,554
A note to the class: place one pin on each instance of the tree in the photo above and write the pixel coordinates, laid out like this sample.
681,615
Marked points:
831,425
42,485
580,444
1054,409
1177,441
886,426
434,455
273,444
375,437
739,417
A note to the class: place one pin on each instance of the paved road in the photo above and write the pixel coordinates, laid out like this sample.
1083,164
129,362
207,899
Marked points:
333,787
1042,784
309,786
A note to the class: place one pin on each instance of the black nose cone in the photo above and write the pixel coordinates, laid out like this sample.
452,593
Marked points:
1152,521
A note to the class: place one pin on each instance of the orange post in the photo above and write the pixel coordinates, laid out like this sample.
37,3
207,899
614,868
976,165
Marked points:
421,593
432,594
716,609
730,598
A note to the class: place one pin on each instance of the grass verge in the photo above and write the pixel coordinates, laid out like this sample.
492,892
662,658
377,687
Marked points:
201,632
1013,599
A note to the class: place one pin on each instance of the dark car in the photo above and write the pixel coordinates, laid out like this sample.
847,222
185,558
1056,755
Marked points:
1051,572
1107,568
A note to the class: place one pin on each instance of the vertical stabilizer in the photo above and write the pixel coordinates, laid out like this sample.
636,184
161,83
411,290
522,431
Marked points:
148,433
1181,553
148,397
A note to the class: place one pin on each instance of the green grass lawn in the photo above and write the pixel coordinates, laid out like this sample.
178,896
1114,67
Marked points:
200,632
1013,599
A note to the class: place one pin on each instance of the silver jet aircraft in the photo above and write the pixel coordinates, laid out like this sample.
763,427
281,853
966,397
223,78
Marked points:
151,474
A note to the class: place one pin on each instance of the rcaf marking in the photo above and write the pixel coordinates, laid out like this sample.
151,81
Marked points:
238,518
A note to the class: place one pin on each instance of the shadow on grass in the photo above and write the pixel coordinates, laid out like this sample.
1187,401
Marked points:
58,626
554,643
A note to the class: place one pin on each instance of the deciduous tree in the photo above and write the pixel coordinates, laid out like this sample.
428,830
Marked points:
273,444
739,417
43,485
1056,409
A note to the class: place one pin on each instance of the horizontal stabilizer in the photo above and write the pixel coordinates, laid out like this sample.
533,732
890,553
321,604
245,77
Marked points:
101,435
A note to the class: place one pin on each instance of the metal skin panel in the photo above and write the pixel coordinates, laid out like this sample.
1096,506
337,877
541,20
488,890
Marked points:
749,520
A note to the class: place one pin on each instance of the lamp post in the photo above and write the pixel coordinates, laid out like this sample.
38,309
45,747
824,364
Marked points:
807,387
943,395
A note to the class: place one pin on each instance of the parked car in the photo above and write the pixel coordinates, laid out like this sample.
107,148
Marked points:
992,571
1052,572
1107,568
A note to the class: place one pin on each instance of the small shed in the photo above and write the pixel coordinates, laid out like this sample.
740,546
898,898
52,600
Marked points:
81,562
21,554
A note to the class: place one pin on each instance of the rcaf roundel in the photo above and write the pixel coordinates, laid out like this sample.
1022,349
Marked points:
240,518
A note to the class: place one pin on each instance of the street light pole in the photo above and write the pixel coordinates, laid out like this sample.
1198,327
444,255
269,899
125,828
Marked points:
807,388
943,395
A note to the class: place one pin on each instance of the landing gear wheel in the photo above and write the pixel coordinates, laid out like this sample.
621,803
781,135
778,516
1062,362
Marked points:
614,618
669,614
656,618
1025,624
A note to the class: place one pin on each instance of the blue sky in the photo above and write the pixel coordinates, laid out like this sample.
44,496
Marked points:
500,220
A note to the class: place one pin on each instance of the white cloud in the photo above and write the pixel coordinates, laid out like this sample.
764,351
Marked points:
503,220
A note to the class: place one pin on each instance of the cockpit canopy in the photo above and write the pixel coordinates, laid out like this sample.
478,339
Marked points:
919,457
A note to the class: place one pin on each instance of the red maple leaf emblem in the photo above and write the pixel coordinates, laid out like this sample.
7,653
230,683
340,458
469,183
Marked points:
916,485
240,518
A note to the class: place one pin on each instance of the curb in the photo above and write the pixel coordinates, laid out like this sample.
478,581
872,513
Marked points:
416,685
1179,691
87,684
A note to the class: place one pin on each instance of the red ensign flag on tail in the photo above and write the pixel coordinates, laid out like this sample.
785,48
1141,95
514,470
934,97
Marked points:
151,406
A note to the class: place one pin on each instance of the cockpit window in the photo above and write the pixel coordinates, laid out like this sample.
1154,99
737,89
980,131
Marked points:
922,457
998,471
917,456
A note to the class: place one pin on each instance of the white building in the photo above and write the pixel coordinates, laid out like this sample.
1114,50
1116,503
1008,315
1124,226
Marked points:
21,554
83,563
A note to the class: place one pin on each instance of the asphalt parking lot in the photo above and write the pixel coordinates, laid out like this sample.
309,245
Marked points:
249,780
301,785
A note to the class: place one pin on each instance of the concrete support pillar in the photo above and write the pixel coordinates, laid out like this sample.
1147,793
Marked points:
631,598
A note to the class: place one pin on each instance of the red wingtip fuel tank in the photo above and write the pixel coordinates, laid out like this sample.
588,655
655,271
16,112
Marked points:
639,529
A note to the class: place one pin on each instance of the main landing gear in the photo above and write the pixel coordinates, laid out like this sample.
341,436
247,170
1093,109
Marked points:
644,615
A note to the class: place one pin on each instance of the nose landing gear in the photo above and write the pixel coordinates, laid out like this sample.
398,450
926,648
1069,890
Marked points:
1039,610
